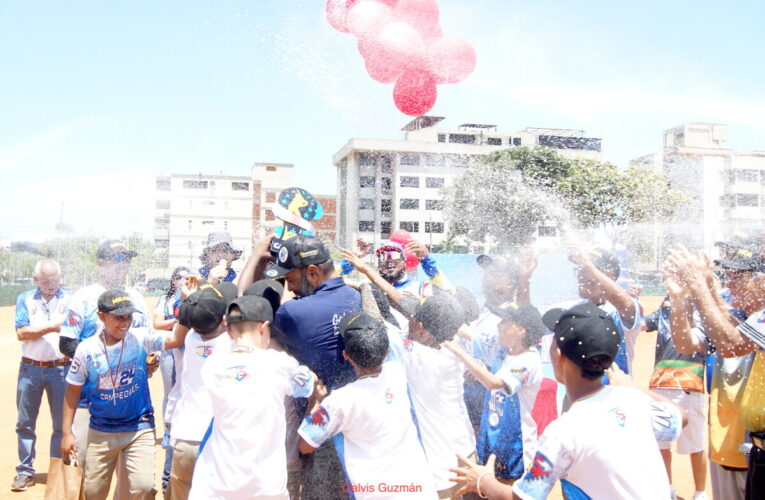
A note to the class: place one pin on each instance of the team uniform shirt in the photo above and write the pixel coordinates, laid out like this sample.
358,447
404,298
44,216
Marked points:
672,369
753,399
475,393
375,436
117,380
309,327
245,456
604,447
435,378
33,310
82,314
193,407
508,429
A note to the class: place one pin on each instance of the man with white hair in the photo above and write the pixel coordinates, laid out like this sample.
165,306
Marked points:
39,315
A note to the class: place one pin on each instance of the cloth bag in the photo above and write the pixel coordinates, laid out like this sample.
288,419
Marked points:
64,480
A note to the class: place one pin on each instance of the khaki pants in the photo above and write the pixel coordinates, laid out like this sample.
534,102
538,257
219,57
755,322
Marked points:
137,450
182,470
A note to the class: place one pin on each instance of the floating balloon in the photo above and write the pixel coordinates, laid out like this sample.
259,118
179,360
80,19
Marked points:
423,15
382,71
402,237
367,17
336,12
415,92
451,59
399,43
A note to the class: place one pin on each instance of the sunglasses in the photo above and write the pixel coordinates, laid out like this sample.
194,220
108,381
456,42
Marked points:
389,255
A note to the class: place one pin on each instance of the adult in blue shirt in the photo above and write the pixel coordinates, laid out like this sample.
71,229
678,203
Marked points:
308,329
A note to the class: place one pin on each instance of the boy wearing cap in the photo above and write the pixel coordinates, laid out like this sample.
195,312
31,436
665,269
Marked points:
217,256
604,446
204,313
111,369
370,420
245,455
508,429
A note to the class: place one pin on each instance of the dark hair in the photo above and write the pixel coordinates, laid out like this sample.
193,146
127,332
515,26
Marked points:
468,302
326,267
533,336
383,304
176,274
594,366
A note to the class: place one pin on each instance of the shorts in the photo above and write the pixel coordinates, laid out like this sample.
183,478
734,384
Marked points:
691,438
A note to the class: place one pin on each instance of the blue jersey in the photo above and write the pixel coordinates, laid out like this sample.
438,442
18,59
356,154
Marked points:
115,379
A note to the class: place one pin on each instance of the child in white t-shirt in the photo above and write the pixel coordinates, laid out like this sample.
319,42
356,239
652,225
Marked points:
605,445
370,420
245,456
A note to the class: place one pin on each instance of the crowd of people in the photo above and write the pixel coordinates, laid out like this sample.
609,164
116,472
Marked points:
302,377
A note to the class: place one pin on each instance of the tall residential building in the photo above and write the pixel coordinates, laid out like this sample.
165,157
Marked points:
726,187
384,184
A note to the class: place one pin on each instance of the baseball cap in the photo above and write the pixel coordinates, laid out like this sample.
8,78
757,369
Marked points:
441,316
222,237
742,260
270,290
501,264
297,252
583,332
605,260
365,338
251,308
205,308
524,314
114,250
739,239
115,302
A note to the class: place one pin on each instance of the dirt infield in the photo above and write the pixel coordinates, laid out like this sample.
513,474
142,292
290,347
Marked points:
9,360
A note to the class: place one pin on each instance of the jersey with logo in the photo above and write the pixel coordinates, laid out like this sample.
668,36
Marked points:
117,383
508,429
374,434
245,456
33,310
193,409
604,446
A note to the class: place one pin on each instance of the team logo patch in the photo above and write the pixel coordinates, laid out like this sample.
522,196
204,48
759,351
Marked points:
73,319
619,416
319,417
521,373
540,466
408,345
283,254
237,373
204,351
271,273
388,396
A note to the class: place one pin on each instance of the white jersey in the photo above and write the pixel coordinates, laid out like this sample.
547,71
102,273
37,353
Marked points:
436,380
245,457
82,320
33,310
193,408
605,446
375,436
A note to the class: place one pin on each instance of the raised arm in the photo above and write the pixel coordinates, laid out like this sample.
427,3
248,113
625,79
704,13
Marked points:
614,293
484,376
680,310
429,266
373,276
256,263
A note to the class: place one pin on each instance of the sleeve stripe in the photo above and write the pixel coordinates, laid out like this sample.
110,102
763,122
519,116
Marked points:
752,333
307,439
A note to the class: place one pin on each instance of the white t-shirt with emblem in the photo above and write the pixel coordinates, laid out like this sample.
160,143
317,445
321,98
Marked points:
375,436
193,408
245,456
605,446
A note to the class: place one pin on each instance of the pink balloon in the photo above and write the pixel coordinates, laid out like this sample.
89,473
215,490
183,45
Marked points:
400,44
336,12
367,17
451,59
423,15
415,92
380,64
402,237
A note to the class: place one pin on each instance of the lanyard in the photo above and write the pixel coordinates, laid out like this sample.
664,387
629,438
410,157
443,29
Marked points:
114,377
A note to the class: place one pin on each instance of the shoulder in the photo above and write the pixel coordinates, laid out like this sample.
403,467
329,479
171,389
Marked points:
23,297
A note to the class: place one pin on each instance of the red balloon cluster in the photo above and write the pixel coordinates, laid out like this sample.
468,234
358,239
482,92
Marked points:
402,237
401,41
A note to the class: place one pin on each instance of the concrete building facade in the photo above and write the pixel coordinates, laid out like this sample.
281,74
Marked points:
384,185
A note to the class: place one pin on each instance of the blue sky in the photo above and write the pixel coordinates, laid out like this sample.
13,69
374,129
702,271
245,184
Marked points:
96,98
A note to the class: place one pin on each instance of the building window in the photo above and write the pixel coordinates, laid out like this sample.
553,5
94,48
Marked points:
747,200
208,222
270,169
386,185
407,181
161,223
412,227
462,138
747,175
441,137
434,205
162,243
163,184
494,141
410,159
366,204
189,223
434,227
386,165
434,182
162,204
435,160
366,181
460,160
270,215
208,203
225,225
409,204
270,197
386,205
727,201
516,141
385,229
366,159
366,226
194,184
241,186
479,250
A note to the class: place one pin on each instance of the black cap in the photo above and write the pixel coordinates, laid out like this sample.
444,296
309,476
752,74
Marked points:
583,332
204,309
112,249
742,260
740,239
605,261
525,315
270,290
365,338
297,252
251,308
115,302
441,315
500,263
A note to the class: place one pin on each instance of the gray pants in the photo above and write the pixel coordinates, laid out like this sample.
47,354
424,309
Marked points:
727,484
322,476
